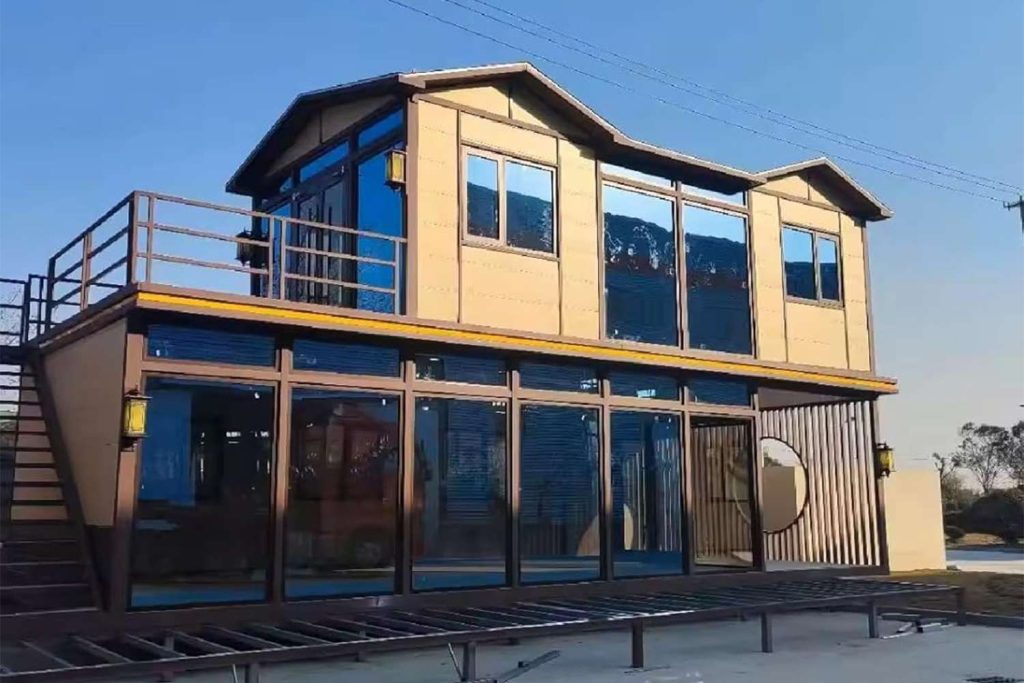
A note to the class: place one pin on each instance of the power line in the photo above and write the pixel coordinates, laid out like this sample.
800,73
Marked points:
682,107
726,99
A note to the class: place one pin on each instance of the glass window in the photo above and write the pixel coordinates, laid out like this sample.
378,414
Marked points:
340,530
722,457
332,156
379,209
202,520
382,127
828,268
717,283
718,391
731,197
798,251
179,342
533,375
482,196
447,367
623,172
529,196
351,359
639,267
643,384
559,525
647,523
458,526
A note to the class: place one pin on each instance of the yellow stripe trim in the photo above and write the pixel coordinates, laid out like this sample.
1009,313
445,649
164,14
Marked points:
435,333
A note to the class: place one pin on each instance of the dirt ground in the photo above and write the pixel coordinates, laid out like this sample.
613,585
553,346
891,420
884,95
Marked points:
987,593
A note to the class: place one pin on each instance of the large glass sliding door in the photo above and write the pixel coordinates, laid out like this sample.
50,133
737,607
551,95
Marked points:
202,515
646,461
459,513
722,456
559,525
343,483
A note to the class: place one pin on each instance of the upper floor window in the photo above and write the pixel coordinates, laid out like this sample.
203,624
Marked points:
510,201
729,197
812,265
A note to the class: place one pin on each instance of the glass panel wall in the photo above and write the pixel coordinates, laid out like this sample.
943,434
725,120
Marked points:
828,268
203,509
552,377
647,524
342,493
530,194
449,367
482,196
559,525
722,458
717,290
662,385
458,525
639,267
798,251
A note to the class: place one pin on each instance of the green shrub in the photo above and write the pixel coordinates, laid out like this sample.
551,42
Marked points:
954,533
999,512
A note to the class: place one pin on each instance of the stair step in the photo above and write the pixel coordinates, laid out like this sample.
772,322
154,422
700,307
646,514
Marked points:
42,573
44,598
50,511
39,551
42,531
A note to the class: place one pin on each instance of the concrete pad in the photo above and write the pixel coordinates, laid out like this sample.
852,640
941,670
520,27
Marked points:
830,647
1009,561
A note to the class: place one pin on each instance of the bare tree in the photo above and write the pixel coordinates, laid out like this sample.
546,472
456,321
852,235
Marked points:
1013,454
982,452
955,494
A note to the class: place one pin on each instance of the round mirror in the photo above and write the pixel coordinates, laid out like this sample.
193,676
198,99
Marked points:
783,485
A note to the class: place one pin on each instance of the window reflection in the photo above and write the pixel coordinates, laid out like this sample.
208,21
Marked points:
181,342
646,496
203,511
375,131
379,209
640,267
644,384
731,197
828,268
342,493
554,377
323,161
717,289
459,516
632,174
721,392
722,461
482,196
530,206
348,358
798,251
559,528
447,367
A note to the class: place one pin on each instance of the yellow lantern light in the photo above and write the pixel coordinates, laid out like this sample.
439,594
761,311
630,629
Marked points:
394,168
133,423
885,459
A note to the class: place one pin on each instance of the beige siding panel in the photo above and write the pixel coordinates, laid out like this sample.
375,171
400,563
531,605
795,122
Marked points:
507,138
490,98
770,295
508,290
792,185
579,241
816,195
913,520
86,379
527,108
795,213
855,293
437,231
816,335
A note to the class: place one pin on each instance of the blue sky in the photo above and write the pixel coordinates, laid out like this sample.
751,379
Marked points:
101,97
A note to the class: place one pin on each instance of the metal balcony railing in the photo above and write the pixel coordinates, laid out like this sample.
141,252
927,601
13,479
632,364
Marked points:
149,237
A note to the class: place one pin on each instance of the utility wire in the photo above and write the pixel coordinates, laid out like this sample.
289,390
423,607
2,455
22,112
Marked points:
682,107
726,99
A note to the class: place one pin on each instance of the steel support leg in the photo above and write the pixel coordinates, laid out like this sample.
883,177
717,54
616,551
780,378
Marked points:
872,620
167,676
637,628
961,606
252,673
468,672
766,632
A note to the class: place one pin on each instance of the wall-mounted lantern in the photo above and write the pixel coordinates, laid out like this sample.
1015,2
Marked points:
244,250
394,168
885,460
133,422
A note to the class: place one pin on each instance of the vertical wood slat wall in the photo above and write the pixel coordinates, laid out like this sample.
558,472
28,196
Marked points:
838,525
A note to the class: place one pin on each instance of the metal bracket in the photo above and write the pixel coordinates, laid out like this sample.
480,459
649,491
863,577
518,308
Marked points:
522,667
914,623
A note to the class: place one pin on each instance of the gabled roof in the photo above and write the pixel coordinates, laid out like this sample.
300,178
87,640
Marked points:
851,195
608,141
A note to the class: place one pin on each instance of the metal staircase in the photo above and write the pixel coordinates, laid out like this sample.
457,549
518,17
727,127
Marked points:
43,556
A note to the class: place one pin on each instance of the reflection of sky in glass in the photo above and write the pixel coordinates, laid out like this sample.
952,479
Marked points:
828,268
328,158
697,221
733,198
381,128
622,171
482,196
637,205
528,180
796,245
483,172
827,252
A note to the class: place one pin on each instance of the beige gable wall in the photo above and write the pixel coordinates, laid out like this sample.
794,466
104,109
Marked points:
481,285
769,294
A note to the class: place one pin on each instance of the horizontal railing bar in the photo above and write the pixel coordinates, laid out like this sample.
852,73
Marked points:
64,299
180,230
99,221
74,266
94,281
341,229
339,283
332,254
12,281
110,240
204,264
259,214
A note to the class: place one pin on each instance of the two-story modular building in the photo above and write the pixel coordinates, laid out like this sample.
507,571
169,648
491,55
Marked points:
470,338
